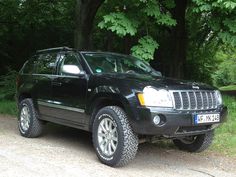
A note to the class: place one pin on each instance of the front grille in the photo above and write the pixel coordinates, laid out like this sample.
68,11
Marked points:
194,100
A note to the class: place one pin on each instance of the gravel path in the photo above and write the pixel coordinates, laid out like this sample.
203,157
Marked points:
67,152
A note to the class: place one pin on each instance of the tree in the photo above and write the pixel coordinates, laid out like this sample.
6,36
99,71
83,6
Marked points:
137,18
219,17
217,20
178,40
29,25
85,11
178,37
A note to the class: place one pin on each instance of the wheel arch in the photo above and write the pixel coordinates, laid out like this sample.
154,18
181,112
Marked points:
102,100
24,95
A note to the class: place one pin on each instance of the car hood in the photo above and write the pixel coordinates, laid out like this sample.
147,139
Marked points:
138,81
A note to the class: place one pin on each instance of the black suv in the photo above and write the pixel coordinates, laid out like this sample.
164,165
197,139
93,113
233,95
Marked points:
119,98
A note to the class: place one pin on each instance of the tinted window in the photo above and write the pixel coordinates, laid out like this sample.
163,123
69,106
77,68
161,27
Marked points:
69,59
46,63
29,67
109,63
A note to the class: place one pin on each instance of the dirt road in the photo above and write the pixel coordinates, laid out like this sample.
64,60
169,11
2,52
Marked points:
66,152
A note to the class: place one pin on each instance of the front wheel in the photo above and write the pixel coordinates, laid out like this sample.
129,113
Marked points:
196,143
114,140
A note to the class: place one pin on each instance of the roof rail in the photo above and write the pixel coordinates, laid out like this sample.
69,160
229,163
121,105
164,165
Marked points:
55,49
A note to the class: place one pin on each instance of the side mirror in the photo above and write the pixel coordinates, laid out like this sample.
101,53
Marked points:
71,69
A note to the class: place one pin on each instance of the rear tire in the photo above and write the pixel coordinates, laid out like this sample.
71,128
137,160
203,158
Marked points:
28,121
113,138
196,143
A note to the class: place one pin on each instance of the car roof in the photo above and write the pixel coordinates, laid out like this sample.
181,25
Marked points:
58,49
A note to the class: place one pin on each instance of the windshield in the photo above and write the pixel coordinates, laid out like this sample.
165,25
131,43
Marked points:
112,63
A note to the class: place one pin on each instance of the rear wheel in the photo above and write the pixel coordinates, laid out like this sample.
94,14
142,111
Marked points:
196,143
28,122
114,140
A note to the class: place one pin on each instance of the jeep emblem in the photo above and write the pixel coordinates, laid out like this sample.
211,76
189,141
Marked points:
195,87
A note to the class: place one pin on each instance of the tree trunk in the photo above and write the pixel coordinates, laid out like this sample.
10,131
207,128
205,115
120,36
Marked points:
85,12
178,40
170,58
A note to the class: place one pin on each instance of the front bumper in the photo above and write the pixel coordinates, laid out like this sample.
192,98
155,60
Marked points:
174,123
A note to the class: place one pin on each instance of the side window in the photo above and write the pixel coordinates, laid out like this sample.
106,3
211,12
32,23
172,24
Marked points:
46,63
29,67
69,64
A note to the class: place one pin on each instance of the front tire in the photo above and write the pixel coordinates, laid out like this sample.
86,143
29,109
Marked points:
114,140
28,122
196,143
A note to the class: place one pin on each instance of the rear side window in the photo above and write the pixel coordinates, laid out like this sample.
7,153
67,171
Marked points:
29,66
46,63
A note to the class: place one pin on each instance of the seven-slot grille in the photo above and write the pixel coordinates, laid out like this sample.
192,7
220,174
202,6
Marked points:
194,100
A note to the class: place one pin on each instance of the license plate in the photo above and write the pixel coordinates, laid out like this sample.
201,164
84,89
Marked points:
206,118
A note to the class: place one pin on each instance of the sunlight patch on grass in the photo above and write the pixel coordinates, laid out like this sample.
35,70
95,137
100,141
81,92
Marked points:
228,88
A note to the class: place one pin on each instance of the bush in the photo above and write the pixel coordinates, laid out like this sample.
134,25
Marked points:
8,107
225,74
8,85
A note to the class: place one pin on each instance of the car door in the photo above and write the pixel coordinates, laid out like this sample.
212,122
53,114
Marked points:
69,90
42,78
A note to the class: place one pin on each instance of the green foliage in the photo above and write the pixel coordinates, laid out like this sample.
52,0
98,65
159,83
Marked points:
152,9
225,141
119,23
8,85
225,73
201,61
220,17
29,25
137,18
145,48
8,107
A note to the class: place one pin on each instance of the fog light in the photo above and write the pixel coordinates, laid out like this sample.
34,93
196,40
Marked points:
156,119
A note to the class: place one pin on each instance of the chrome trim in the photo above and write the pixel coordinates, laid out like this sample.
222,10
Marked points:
208,104
56,76
173,99
195,96
55,104
213,102
211,95
189,103
181,99
202,100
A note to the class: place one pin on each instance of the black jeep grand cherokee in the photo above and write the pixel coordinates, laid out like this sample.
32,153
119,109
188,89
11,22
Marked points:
118,98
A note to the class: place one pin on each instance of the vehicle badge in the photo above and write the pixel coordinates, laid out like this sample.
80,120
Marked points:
195,87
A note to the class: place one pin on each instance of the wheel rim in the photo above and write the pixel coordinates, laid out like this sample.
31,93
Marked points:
188,140
25,118
107,136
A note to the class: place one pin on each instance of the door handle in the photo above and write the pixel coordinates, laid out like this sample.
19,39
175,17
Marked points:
56,83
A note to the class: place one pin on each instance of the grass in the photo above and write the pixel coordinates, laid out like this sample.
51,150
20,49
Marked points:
225,135
8,107
228,88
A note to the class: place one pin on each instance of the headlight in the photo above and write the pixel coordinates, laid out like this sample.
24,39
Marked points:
154,97
218,97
